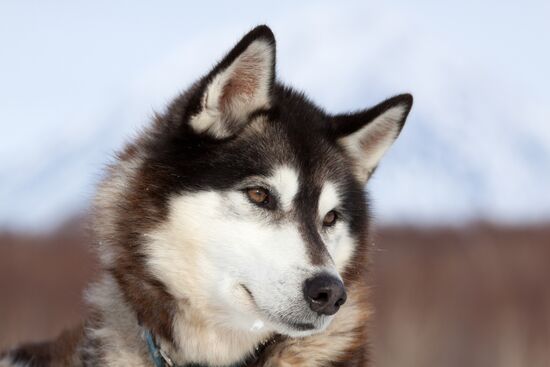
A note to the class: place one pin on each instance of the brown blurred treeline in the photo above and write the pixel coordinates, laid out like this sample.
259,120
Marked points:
476,295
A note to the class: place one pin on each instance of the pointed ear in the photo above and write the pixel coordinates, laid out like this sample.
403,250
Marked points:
239,85
367,135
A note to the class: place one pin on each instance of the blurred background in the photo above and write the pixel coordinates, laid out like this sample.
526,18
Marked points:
462,200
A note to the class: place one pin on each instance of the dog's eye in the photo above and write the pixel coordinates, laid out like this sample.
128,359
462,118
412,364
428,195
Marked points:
258,195
330,219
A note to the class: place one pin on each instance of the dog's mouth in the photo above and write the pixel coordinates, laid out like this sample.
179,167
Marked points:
249,292
300,326
291,324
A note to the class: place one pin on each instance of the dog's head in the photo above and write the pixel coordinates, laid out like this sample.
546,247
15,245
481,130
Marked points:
245,200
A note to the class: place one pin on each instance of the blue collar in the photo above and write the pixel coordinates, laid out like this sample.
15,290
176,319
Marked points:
154,350
161,359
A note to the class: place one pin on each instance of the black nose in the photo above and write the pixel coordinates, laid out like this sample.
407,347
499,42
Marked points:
325,294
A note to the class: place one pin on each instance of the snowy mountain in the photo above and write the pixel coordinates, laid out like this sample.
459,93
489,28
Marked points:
477,144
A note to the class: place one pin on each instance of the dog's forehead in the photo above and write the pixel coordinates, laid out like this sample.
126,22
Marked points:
292,146
286,180
278,142
302,169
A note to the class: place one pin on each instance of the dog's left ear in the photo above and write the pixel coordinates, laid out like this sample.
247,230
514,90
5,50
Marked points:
239,85
367,135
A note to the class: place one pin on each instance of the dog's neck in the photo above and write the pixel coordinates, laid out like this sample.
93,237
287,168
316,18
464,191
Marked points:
195,339
162,359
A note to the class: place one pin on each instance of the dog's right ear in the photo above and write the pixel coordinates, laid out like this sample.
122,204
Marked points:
238,85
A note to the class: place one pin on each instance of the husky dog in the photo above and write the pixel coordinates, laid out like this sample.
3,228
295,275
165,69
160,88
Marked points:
234,231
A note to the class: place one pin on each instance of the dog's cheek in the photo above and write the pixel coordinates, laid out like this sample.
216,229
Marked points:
340,246
175,250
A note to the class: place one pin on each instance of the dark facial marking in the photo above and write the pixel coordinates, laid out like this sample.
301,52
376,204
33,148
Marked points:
306,205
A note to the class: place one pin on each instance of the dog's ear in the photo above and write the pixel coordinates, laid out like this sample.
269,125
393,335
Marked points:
368,134
238,85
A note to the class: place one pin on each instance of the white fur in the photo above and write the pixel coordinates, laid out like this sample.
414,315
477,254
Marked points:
285,182
368,144
257,60
338,241
340,245
329,199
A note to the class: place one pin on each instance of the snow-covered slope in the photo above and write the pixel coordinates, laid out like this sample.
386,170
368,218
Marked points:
477,144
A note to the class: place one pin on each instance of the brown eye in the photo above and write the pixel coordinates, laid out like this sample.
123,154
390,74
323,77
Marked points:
258,195
330,219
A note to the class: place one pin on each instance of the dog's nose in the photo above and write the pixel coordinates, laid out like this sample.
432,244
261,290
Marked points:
325,294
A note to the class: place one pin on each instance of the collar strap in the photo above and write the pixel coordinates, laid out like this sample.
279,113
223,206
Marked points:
161,359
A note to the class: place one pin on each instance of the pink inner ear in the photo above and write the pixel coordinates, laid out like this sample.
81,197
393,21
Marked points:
244,81
369,141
